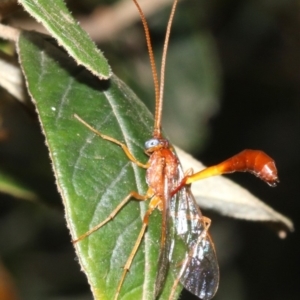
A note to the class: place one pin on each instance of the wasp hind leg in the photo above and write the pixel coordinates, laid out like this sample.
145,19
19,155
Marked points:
131,195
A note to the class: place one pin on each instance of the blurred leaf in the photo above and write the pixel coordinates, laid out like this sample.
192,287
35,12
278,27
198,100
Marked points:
12,187
11,79
94,175
55,16
229,199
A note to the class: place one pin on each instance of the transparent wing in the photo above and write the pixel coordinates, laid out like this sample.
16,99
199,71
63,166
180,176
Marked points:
165,244
164,250
192,253
199,273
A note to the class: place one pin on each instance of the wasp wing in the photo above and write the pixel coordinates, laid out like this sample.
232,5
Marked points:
163,259
170,181
192,253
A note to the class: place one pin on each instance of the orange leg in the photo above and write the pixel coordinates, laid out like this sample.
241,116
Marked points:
134,195
175,284
153,205
111,139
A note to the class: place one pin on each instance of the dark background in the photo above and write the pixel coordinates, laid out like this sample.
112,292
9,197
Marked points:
258,44
251,56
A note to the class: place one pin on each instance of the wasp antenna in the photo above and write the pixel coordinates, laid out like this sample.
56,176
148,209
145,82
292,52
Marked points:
150,51
159,103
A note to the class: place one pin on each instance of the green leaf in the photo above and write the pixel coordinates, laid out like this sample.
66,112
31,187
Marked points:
11,186
94,175
55,16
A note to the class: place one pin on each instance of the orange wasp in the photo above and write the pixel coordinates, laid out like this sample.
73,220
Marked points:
183,225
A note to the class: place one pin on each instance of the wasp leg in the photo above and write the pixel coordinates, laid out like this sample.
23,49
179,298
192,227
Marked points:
152,206
134,195
111,139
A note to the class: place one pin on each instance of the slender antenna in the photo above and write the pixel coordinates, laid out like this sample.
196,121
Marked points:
150,51
159,103
159,87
